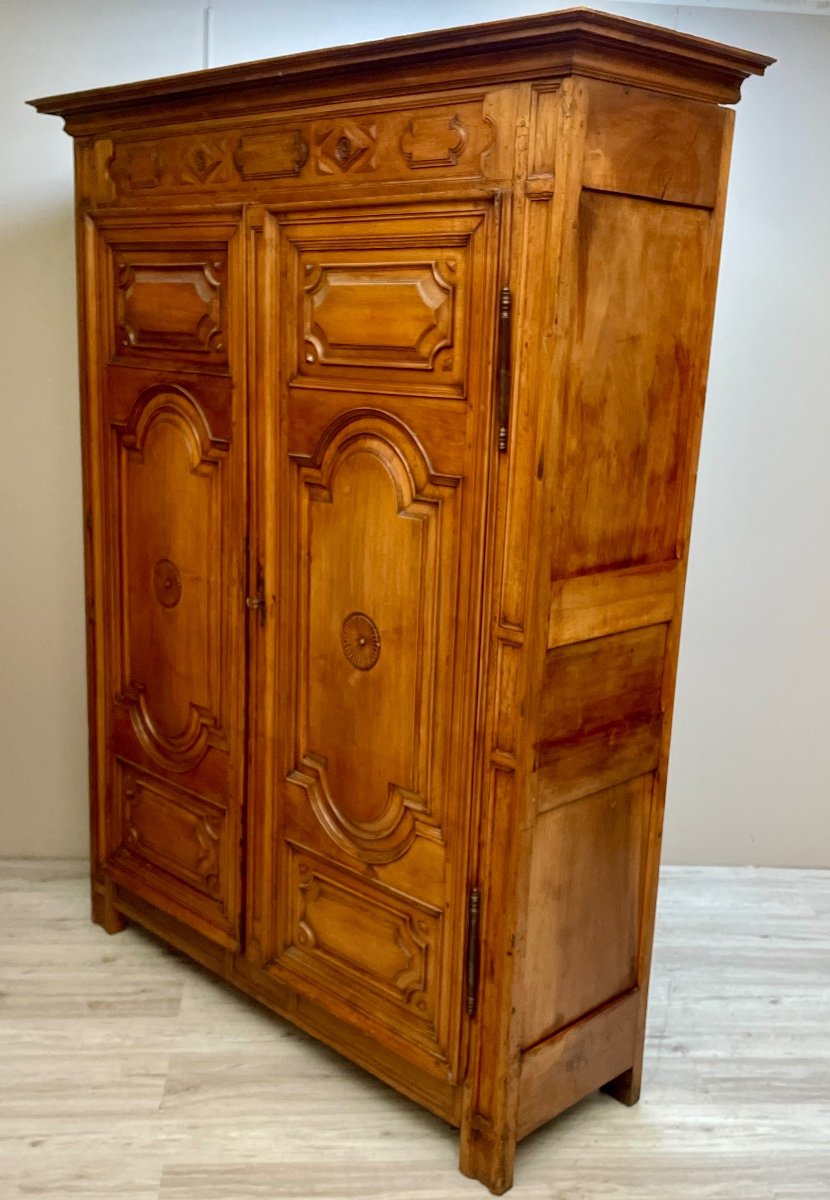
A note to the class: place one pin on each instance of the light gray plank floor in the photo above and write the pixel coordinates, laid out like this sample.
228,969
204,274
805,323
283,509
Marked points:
129,1073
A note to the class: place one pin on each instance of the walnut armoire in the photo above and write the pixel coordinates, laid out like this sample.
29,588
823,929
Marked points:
393,366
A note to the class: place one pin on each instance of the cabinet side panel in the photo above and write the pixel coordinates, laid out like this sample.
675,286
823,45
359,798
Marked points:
639,324
620,477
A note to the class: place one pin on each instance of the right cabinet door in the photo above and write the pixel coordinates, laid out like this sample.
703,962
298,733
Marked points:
374,426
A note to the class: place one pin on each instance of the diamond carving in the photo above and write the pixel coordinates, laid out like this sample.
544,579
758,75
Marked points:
347,147
202,159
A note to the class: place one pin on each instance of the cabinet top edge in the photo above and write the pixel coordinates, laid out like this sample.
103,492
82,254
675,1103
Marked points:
571,40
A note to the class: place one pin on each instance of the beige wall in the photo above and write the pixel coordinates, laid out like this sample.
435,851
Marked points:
751,760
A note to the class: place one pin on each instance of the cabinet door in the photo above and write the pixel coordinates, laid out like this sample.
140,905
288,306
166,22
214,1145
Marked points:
171,447
373,445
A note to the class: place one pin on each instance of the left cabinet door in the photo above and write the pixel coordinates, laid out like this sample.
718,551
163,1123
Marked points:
165,461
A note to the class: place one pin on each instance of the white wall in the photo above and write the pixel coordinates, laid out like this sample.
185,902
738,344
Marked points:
751,760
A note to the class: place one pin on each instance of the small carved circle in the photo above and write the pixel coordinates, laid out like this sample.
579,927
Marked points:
343,149
361,641
167,583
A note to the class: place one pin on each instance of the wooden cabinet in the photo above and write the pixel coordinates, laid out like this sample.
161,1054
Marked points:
393,372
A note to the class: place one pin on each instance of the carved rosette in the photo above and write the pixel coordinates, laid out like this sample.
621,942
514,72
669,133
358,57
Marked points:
361,641
167,583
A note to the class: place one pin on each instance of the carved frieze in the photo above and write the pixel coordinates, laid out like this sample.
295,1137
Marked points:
389,145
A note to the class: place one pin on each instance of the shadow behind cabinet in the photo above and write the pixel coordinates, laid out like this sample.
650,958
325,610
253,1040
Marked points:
393,372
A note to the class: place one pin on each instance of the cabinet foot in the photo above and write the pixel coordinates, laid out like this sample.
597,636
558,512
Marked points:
625,1087
488,1158
105,914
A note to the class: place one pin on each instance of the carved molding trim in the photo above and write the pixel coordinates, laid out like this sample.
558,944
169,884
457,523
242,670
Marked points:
137,165
391,143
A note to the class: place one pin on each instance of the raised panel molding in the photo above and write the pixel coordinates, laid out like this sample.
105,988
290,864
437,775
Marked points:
276,155
137,166
151,811
395,960
367,795
169,841
163,645
384,304
169,306
395,314
434,141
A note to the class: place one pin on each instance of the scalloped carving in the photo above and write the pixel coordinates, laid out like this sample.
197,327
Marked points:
372,500
378,314
393,955
137,165
176,832
433,142
170,306
279,154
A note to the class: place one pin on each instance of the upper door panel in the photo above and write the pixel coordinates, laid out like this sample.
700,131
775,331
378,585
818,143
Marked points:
382,308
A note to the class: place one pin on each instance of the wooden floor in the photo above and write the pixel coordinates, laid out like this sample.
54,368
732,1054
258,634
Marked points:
129,1073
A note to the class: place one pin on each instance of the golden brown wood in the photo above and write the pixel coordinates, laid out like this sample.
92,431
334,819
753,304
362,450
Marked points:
606,602
348,662
563,1069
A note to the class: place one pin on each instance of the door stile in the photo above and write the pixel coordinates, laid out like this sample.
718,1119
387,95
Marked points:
262,567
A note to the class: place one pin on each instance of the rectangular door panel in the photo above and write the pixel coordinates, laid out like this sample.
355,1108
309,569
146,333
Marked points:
382,307
377,558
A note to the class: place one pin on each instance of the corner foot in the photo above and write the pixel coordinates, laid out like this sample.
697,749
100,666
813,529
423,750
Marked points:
105,914
625,1087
